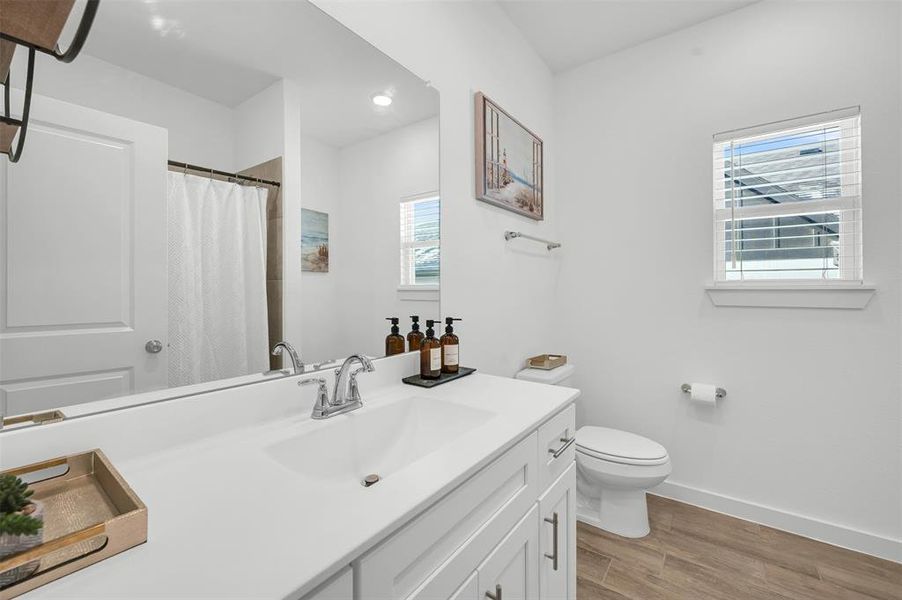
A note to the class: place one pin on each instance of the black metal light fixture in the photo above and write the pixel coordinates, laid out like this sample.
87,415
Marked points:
10,127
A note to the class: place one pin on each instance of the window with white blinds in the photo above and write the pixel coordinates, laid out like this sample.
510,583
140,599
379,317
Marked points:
420,246
787,201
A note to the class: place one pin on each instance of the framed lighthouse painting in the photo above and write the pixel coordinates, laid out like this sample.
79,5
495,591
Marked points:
509,166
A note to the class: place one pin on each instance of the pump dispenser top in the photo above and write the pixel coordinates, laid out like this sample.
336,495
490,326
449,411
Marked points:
415,337
394,341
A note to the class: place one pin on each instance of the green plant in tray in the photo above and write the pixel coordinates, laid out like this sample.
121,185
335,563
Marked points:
14,505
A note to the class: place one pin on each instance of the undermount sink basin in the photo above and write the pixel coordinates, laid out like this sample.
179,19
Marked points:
376,439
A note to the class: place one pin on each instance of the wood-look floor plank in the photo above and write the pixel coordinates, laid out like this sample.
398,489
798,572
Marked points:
639,554
740,536
696,554
798,586
591,566
885,584
710,583
589,590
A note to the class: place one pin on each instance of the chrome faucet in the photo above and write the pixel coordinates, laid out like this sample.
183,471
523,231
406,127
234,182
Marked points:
296,365
346,395
346,392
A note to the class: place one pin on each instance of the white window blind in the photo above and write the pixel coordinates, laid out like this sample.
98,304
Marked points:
787,201
420,245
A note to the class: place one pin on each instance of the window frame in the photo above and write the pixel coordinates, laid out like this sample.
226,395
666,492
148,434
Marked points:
849,290
407,283
850,263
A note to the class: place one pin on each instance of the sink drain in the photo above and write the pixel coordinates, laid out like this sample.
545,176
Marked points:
371,479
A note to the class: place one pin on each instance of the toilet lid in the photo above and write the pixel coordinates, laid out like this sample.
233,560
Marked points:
619,446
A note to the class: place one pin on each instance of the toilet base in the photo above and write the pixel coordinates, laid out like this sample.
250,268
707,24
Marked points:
620,511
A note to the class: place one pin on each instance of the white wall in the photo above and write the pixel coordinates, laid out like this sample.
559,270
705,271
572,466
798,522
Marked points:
503,292
360,187
323,333
200,131
375,175
259,128
811,423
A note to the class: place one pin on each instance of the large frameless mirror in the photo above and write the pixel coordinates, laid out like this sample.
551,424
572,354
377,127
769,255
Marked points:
205,180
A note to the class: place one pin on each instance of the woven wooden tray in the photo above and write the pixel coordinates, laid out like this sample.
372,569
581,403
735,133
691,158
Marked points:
546,361
90,513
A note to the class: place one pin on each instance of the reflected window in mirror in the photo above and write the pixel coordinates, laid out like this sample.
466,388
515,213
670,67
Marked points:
420,220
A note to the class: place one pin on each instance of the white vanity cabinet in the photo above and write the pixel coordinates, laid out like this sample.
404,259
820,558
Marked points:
490,531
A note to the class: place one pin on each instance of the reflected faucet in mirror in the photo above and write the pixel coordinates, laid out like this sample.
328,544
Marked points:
297,366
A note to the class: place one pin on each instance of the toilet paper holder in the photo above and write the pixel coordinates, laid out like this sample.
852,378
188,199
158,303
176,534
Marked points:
719,393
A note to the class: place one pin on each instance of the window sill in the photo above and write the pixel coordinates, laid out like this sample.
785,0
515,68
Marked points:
848,296
419,293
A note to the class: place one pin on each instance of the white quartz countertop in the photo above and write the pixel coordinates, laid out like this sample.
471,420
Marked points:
228,520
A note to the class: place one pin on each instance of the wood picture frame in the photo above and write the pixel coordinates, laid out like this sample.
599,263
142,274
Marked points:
509,161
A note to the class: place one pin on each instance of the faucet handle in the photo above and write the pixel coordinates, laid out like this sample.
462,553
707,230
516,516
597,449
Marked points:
322,394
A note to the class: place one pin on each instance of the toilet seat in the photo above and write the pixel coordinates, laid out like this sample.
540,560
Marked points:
619,447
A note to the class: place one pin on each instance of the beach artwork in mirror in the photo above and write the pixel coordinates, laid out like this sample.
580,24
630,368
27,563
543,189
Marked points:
314,241
184,203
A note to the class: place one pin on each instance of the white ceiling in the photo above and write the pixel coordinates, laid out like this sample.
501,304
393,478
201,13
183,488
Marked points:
227,51
567,33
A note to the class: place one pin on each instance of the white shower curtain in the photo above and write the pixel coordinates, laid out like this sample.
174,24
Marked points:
218,325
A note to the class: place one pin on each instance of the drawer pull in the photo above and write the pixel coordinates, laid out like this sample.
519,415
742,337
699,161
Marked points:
496,595
553,556
563,448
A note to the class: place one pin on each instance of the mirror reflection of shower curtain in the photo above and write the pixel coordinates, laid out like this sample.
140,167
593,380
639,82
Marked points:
218,324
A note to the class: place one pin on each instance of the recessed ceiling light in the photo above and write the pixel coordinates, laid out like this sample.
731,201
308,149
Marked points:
382,100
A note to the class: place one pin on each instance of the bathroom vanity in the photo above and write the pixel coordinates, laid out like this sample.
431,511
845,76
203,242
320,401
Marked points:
248,496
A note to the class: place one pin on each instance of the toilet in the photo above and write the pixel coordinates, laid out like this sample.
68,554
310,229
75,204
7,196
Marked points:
614,469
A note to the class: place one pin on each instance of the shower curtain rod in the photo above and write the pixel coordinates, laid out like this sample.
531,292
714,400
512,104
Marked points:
188,166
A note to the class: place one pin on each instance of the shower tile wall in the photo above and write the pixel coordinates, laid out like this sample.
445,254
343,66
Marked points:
272,170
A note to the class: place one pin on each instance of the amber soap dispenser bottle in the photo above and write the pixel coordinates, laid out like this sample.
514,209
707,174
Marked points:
394,341
430,354
450,348
415,337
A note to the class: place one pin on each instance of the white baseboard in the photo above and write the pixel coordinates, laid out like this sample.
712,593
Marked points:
830,533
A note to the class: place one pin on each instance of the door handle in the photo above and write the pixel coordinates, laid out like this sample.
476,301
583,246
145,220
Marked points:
496,595
566,444
153,346
554,554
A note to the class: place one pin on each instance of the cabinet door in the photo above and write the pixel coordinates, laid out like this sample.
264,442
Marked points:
469,590
509,573
557,549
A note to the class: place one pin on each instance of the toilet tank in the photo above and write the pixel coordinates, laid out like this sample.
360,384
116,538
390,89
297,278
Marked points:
559,376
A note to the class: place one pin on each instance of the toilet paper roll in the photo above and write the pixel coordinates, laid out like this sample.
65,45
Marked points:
704,393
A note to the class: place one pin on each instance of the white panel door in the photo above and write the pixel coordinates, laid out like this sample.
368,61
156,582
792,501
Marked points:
83,281
510,571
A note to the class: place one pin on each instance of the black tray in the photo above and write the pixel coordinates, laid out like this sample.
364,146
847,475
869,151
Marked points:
443,378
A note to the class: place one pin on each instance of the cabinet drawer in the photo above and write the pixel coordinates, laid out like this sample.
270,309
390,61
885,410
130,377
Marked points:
455,534
554,435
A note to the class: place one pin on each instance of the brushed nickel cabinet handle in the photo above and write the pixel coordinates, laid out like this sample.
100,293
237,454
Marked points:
563,448
496,595
554,554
